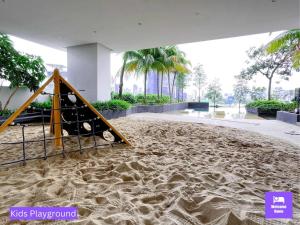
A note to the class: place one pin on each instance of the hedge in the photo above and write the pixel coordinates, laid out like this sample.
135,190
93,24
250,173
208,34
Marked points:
152,99
6,113
272,105
125,97
114,105
42,105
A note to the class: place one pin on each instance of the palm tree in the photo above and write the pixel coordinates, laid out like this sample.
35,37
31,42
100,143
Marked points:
159,56
288,39
180,67
143,62
126,56
161,60
175,63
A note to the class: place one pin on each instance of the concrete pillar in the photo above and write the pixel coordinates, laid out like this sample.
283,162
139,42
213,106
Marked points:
89,70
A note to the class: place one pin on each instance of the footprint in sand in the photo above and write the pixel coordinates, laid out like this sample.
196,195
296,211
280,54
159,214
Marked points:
155,199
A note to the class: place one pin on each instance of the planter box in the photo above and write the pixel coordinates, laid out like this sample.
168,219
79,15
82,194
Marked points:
288,117
262,112
198,105
160,108
2,119
110,114
29,117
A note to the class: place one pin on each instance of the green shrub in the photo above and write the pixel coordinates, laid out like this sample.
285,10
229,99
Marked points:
152,99
6,113
290,107
128,97
272,105
42,105
266,104
114,105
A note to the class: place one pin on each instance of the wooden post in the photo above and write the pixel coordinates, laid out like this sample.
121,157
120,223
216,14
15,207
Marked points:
56,109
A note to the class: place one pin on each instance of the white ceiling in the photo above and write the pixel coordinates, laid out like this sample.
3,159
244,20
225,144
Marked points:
133,24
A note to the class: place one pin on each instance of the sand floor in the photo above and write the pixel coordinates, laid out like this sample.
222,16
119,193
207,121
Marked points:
176,173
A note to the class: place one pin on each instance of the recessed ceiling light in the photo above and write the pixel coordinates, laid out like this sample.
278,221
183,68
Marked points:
140,23
197,13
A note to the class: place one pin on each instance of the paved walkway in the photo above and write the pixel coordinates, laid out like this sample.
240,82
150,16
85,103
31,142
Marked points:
277,129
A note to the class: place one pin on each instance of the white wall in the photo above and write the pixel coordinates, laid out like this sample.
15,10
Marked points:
21,96
17,100
104,74
89,70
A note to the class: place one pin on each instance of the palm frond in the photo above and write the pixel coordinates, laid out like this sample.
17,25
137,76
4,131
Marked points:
283,39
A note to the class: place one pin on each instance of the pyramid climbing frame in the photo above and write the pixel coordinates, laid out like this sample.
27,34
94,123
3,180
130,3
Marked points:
70,113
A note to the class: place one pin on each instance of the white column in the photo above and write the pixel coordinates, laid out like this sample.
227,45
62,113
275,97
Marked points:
89,70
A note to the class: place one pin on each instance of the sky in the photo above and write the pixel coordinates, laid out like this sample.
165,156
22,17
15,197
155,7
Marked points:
221,59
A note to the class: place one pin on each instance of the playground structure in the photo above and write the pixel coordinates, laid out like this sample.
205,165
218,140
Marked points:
72,116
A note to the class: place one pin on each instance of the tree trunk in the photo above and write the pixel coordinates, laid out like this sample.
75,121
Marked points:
214,103
10,97
1,86
161,84
173,84
169,84
199,89
145,87
239,107
157,84
182,93
121,79
269,88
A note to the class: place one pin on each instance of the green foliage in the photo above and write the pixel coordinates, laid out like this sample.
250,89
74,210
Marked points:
240,90
112,105
152,99
290,40
163,60
258,93
272,105
278,63
128,97
5,113
199,79
21,70
290,107
214,92
42,105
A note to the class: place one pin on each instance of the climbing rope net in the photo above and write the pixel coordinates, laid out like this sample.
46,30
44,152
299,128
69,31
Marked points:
72,124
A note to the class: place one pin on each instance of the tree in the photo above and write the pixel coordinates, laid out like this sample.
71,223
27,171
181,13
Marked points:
214,92
284,95
162,60
199,79
241,91
290,40
143,62
126,56
181,83
268,65
257,93
21,70
175,63
159,66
